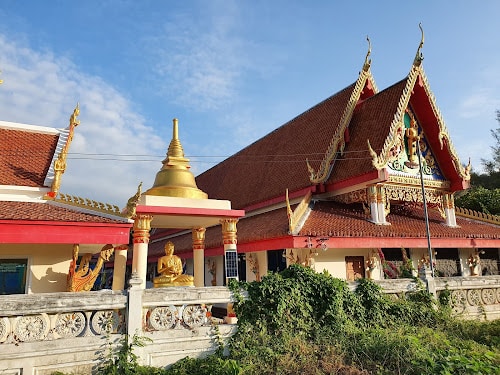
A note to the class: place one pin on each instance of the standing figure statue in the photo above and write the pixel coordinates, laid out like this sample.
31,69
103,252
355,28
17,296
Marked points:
170,270
412,137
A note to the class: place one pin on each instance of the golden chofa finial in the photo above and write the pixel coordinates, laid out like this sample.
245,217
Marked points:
1,80
73,119
419,55
368,61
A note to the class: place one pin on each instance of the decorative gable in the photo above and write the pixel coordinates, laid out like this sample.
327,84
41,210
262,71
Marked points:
406,160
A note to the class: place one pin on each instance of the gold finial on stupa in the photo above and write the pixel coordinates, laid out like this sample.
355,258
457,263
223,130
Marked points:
419,56
175,178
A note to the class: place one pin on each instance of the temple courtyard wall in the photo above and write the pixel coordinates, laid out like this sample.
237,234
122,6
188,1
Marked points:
74,332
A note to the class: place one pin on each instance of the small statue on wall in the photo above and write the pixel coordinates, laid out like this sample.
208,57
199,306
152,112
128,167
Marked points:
474,262
212,270
371,263
254,265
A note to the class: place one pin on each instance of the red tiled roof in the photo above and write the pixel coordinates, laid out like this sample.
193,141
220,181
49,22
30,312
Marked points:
337,220
266,168
371,121
26,157
340,220
33,211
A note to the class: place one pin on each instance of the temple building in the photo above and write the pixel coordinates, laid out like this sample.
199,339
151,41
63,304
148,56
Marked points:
49,241
360,185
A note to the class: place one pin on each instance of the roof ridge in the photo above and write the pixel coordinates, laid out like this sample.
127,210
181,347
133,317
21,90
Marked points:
279,127
476,215
89,205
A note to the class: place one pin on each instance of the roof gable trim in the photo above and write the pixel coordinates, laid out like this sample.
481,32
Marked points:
337,144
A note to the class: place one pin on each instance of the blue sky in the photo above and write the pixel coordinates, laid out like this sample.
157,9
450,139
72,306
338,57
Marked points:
230,71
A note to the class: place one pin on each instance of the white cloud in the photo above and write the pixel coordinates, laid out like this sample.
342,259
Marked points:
200,64
479,103
41,89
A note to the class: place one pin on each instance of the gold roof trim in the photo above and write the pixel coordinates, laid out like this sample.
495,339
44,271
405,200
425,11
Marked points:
396,130
338,143
90,204
476,215
296,215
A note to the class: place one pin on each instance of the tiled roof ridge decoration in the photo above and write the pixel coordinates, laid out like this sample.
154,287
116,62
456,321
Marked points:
338,141
296,216
59,164
396,130
88,204
476,215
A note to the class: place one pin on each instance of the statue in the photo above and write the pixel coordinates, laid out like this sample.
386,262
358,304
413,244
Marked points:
129,210
371,264
170,270
73,119
412,137
82,277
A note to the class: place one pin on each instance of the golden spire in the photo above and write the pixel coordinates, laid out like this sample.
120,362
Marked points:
175,179
419,55
368,61
1,80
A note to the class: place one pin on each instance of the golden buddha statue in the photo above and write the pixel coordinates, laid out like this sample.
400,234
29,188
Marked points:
170,270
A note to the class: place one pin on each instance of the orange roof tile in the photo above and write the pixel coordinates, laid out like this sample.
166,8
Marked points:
371,121
33,211
337,220
264,169
26,157
340,220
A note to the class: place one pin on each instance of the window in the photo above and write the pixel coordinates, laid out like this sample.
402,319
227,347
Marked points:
13,276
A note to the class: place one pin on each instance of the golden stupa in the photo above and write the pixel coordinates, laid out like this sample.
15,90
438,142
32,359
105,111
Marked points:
175,178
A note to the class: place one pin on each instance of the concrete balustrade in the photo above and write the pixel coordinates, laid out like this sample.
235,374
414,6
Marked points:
73,332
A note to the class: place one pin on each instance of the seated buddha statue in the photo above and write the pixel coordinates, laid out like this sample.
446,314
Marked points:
170,270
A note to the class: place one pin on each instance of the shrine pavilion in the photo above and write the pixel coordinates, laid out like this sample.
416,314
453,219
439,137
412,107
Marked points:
44,233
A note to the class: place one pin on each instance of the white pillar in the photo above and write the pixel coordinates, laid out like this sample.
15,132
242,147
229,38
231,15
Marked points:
142,225
119,267
199,256
372,201
449,209
381,202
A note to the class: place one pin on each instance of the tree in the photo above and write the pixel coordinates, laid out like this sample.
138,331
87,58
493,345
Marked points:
484,195
493,166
